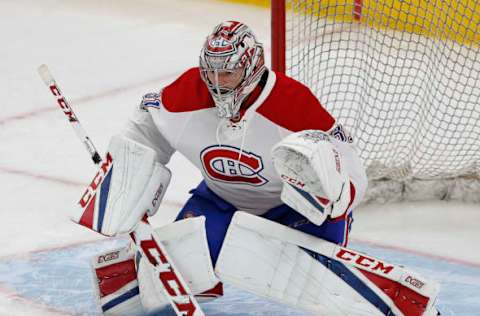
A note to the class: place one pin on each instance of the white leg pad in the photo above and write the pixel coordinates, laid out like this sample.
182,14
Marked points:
294,268
186,243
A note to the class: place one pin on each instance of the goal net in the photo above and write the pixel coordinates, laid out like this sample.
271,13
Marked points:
403,77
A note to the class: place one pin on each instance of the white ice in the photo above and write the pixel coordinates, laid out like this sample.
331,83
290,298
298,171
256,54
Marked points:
105,55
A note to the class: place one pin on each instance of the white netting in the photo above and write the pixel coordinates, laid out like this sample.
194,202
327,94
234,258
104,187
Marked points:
402,76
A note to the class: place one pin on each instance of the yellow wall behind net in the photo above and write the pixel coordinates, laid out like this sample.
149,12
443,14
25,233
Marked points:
457,20
260,3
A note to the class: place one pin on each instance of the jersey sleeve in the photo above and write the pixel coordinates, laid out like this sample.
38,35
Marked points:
293,107
141,128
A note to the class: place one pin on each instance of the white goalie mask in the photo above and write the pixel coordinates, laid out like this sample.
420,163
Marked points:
231,65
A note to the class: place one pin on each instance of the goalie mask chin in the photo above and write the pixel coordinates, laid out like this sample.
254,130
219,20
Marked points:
231,65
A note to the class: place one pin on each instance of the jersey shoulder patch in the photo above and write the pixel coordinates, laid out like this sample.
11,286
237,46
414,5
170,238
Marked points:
150,100
187,93
293,106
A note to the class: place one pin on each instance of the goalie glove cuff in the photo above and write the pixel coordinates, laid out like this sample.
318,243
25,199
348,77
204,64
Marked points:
312,207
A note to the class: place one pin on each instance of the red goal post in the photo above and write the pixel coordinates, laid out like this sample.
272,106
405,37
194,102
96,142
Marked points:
403,77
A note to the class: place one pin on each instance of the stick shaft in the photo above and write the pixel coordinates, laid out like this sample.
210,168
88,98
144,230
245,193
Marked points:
68,111
169,280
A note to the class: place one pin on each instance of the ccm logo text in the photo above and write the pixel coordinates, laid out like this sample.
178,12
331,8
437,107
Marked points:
363,262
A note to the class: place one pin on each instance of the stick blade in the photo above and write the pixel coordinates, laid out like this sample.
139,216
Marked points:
45,74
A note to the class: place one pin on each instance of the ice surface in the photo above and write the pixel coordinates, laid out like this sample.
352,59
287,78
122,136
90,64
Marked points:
105,55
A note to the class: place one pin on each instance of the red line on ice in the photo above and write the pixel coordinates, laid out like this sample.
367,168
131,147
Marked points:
177,204
41,177
84,99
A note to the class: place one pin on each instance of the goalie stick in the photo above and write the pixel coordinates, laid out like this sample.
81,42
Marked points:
169,280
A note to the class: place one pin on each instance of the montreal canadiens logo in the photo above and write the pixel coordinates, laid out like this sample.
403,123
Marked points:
227,164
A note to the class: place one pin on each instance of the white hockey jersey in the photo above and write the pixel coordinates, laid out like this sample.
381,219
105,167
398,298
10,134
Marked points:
235,157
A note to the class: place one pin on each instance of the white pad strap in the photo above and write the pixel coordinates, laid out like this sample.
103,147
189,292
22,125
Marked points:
294,268
129,184
186,243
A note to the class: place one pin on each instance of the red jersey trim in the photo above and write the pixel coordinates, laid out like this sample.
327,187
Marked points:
293,106
187,93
